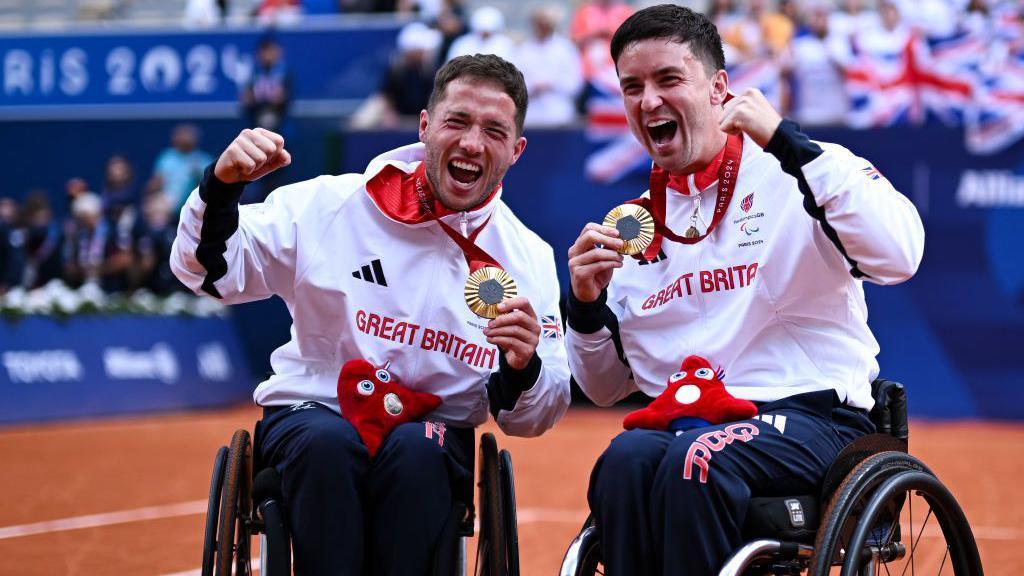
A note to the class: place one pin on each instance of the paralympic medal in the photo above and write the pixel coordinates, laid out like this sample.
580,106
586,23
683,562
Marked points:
488,287
635,226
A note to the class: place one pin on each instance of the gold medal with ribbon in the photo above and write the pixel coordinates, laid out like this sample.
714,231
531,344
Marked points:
486,288
635,225
488,284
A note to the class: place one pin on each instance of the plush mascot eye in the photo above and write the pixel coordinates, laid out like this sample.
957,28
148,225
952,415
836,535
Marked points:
383,376
676,377
365,387
704,373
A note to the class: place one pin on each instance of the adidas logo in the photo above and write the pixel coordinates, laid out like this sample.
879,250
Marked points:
371,272
661,257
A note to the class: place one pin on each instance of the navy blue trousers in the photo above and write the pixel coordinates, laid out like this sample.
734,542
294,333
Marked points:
675,505
349,515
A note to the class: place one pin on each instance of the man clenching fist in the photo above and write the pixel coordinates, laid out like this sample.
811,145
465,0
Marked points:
252,155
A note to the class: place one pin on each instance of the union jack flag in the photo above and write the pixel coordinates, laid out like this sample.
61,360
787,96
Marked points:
550,327
971,78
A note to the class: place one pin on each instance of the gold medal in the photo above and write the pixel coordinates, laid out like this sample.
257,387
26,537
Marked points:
486,288
692,232
635,226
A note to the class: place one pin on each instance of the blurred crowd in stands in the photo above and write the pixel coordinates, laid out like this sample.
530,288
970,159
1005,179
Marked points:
801,53
119,231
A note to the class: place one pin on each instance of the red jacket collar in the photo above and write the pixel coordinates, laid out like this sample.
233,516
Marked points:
701,179
406,196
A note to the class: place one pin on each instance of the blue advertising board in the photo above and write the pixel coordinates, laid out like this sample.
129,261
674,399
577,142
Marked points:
181,73
93,366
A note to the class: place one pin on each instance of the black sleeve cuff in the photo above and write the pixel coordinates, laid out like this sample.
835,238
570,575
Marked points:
217,194
792,147
587,317
507,384
220,221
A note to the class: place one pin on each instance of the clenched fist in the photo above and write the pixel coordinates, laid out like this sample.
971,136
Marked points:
252,155
751,113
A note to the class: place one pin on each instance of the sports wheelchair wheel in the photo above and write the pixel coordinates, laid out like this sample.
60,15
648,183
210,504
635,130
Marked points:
508,500
490,548
891,515
498,546
583,556
232,544
213,510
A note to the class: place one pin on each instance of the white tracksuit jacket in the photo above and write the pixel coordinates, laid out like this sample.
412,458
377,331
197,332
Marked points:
773,295
360,284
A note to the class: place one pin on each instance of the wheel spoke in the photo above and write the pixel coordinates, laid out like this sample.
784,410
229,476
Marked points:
944,557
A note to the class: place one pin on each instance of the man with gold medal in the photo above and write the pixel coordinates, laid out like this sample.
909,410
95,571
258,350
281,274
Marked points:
415,270
750,250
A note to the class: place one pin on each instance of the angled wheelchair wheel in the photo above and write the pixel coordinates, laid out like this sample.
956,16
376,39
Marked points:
892,515
491,558
232,530
583,558
213,511
508,509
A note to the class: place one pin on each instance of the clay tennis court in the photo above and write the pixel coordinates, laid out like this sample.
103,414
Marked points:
127,496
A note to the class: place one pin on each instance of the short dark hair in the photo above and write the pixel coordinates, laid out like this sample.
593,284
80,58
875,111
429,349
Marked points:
677,24
489,68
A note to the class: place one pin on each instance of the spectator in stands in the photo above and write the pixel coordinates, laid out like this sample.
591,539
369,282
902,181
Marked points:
204,13
819,95
40,240
408,82
550,63
884,43
761,32
91,252
11,259
931,18
451,22
592,28
278,12
154,237
119,193
179,168
486,35
268,94
75,187
843,24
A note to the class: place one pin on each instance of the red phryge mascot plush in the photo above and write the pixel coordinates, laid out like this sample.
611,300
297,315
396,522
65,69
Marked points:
375,403
695,397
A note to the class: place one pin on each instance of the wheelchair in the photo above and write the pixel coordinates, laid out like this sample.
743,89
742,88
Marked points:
862,522
242,506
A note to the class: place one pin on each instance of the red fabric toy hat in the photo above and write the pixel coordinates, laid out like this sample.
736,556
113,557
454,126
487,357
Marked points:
375,403
695,397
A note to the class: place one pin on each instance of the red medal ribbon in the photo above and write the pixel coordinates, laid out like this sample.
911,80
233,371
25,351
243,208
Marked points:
396,183
728,170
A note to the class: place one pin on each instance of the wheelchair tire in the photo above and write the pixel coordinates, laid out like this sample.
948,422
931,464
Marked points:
870,511
508,501
491,544
213,511
589,557
233,536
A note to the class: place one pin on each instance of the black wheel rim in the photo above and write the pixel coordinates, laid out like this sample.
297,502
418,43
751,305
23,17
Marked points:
213,511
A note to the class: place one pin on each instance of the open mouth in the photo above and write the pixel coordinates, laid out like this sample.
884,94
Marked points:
464,172
661,131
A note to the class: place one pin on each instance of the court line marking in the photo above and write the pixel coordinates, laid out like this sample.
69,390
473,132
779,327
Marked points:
194,507
105,519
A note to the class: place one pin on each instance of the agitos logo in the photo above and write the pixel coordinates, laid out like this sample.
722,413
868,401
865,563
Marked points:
748,229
